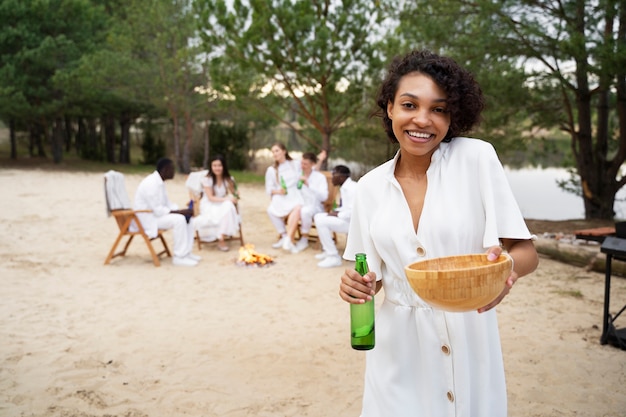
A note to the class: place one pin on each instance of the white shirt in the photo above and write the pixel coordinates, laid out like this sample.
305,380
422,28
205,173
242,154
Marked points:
347,192
151,195
316,192
428,362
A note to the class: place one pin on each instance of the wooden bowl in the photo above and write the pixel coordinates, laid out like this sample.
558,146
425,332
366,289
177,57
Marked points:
459,283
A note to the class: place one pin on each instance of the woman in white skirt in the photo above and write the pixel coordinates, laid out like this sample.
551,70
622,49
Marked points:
281,184
218,211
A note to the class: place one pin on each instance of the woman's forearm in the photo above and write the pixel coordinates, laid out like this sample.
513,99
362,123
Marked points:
524,254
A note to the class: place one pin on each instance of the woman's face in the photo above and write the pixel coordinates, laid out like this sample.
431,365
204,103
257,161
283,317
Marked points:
419,115
217,168
278,153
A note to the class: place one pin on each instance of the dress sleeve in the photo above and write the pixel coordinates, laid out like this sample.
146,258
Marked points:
206,181
359,237
503,218
270,180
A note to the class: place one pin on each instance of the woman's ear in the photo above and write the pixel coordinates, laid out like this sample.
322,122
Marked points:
389,109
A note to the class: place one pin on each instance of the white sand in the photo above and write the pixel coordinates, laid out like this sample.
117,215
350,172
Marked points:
78,338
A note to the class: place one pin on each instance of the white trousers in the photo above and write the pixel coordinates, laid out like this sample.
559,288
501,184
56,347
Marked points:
326,225
306,218
279,223
183,232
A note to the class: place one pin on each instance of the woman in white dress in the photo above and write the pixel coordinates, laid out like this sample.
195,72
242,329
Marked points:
441,195
281,184
218,211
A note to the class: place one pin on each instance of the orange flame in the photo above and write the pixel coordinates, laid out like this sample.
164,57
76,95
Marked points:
248,256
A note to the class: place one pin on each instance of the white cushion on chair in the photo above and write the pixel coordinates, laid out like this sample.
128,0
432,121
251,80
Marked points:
194,181
115,191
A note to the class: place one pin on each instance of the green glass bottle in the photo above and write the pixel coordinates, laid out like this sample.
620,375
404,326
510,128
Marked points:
362,332
283,184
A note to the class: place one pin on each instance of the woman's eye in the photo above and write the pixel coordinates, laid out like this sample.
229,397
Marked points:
439,110
408,105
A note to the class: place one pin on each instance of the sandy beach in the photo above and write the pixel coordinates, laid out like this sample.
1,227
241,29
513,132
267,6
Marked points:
80,338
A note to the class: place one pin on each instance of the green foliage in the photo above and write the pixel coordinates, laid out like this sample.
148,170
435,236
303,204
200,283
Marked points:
152,148
322,56
555,64
363,140
230,141
41,40
476,44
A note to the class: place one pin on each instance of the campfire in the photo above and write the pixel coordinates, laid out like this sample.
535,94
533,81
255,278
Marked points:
249,257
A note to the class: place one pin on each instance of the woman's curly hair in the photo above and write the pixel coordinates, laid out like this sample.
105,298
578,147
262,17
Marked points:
465,100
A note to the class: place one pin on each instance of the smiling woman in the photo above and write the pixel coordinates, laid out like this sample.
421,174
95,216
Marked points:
442,195
420,118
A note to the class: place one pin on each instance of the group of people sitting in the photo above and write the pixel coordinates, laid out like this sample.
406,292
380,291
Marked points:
218,209
298,191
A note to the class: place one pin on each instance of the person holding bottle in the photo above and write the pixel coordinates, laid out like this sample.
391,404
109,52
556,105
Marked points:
281,180
218,216
314,189
442,194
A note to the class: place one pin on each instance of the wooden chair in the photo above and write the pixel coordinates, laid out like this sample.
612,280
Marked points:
194,186
118,206
328,206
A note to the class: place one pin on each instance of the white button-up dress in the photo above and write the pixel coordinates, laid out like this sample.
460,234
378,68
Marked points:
281,205
428,362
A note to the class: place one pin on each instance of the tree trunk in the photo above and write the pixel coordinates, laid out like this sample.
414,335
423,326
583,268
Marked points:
68,133
186,165
326,147
57,140
93,144
591,161
176,135
207,142
81,137
577,255
13,139
125,123
109,137
37,132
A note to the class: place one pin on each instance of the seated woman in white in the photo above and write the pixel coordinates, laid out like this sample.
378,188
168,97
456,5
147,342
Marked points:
218,216
281,180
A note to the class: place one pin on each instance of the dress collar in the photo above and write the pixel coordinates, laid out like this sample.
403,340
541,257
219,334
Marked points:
441,153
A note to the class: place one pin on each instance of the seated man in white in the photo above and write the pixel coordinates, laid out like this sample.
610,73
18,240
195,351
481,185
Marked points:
337,220
314,189
151,195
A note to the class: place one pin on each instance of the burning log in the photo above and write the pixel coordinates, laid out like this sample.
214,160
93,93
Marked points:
249,257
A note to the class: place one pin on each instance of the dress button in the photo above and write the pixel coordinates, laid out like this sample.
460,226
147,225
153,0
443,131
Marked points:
445,349
421,251
450,396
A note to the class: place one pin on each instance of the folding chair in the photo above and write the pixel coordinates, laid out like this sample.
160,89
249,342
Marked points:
118,205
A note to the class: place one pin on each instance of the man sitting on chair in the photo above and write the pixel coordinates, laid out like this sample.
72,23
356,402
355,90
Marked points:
338,220
314,189
151,195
